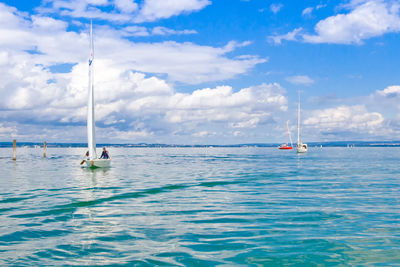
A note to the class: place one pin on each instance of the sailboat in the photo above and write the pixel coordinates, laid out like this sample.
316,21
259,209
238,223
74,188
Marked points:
300,147
286,146
92,161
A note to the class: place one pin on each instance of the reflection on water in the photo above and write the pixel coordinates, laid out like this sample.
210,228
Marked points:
201,206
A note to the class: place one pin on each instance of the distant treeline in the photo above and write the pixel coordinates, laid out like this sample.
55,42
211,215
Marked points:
311,144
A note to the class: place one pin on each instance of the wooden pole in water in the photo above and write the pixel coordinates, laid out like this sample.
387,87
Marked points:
14,149
44,149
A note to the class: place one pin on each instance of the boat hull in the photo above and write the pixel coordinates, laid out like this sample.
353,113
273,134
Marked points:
97,163
285,147
302,148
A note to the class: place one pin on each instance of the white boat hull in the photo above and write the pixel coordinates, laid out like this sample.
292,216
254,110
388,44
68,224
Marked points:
302,148
97,163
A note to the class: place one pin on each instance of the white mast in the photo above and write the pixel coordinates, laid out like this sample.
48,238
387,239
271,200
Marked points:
288,133
90,113
298,121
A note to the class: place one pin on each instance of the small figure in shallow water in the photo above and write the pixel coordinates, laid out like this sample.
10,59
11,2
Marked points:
104,155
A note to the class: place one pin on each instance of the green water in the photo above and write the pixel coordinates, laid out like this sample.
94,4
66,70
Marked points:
201,207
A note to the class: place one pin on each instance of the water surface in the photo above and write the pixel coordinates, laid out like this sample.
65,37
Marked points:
201,207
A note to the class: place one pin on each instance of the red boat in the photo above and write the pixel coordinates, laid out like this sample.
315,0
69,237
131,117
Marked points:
286,146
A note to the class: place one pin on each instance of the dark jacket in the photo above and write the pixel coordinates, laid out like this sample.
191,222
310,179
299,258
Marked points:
104,155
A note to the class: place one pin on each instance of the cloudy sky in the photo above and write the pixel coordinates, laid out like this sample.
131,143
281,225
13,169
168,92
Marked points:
200,71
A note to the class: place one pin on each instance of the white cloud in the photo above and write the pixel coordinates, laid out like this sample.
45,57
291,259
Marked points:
130,105
387,101
125,136
133,107
123,10
184,62
48,24
345,119
158,30
275,8
290,36
307,11
166,31
367,19
203,134
390,92
126,6
300,79
243,109
89,9
134,85
237,133
7,131
155,9
135,31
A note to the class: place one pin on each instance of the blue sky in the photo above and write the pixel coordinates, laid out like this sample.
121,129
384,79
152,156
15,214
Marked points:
200,71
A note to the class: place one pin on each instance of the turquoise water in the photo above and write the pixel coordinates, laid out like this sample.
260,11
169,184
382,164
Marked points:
201,207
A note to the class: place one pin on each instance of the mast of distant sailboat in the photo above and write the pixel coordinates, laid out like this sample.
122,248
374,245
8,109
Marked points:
289,135
90,113
300,147
298,121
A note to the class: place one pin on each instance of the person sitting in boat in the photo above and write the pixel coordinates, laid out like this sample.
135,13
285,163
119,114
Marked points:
104,155
87,157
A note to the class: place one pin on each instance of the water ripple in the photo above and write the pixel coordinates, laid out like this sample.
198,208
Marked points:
201,207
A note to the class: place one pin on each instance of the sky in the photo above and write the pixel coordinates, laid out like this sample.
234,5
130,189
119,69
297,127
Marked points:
200,71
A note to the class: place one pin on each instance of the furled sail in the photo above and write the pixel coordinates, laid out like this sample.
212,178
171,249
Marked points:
90,112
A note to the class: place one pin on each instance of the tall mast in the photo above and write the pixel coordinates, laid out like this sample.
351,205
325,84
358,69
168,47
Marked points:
289,135
287,132
90,112
298,121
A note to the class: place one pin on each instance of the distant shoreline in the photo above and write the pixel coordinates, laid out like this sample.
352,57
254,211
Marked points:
139,145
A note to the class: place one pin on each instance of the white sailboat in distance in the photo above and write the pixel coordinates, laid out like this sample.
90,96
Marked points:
300,147
92,161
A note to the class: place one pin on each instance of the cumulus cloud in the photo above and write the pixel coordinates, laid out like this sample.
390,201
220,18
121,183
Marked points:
183,62
134,92
390,92
366,19
386,101
243,109
129,102
122,10
352,119
126,6
6,131
300,80
134,106
290,36
89,9
156,9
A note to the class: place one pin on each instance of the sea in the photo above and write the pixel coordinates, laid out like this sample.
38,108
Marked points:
201,206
